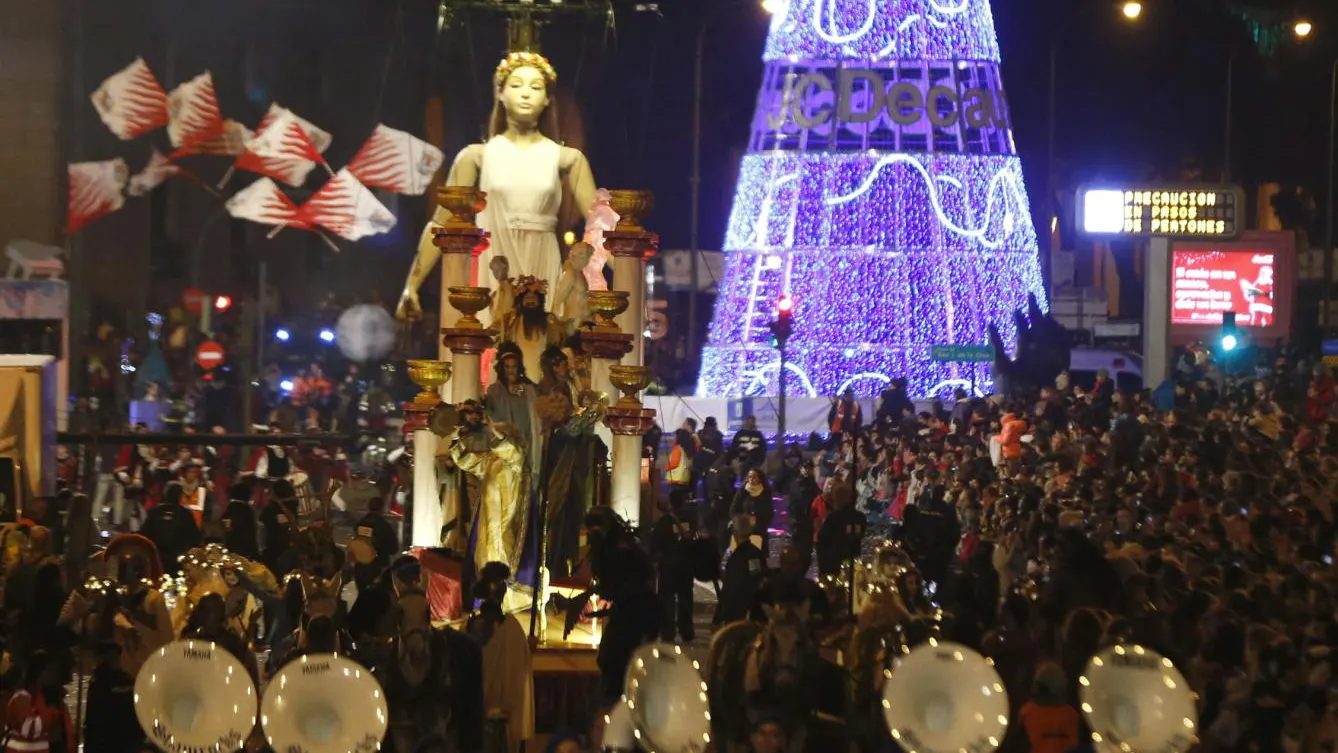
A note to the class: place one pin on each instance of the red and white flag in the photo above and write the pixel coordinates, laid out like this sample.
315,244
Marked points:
285,147
96,188
263,202
158,170
347,208
193,114
131,101
228,142
396,161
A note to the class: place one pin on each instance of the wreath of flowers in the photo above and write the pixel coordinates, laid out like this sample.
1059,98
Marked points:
524,60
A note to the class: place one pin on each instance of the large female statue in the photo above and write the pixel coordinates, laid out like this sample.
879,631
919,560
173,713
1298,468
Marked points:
521,168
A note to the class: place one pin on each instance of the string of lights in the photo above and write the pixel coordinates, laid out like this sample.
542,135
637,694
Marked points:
884,252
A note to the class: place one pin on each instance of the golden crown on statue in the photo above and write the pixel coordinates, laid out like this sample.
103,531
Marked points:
524,60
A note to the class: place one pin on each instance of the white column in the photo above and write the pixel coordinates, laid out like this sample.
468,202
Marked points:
427,513
626,486
1157,314
629,274
599,382
454,274
464,378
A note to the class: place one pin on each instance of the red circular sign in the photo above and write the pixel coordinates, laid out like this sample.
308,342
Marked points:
209,355
194,300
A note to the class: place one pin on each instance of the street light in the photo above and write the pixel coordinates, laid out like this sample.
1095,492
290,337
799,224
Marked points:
1131,10
695,182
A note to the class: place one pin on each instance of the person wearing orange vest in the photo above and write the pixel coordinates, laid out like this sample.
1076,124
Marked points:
678,469
194,489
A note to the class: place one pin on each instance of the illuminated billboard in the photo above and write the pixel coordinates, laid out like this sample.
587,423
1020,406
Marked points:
1205,284
1162,211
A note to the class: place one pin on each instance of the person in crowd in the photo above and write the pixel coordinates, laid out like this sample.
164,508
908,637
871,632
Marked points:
375,527
280,520
171,528
670,542
799,510
842,530
678,469
744,573
846,416
711,448
749,446
240,530
754,499
110,724
36,718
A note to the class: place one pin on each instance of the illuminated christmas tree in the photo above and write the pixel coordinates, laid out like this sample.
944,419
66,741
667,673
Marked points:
882,192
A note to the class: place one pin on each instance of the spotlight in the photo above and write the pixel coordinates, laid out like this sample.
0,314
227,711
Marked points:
328,335
223,303
282,335
1229,343
1303,28
774,6
286,385
1132,9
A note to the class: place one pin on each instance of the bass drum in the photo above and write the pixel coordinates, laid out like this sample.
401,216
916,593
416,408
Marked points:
308,504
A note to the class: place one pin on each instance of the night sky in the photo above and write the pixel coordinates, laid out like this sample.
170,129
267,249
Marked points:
1136,100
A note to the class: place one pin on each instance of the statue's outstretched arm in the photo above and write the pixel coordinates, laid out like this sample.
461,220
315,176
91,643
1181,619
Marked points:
581,180
464,172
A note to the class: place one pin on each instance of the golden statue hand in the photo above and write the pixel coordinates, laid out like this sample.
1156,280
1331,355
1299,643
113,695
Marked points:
408,309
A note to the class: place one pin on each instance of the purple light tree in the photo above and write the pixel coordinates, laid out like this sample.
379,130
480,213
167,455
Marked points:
883,193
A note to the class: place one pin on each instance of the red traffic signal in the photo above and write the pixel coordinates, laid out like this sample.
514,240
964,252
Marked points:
222,303
784,305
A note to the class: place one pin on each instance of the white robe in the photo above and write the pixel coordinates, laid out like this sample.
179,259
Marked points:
524,187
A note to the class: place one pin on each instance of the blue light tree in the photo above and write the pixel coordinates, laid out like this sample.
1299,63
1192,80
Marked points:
883,193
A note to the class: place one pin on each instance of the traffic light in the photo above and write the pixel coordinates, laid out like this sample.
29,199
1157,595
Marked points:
783,326
1230,337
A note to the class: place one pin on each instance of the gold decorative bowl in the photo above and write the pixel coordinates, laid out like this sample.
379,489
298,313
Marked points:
632,207
469,301
430,376
463,202
607,305
629,380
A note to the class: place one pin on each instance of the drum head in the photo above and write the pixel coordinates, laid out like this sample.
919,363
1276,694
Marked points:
193,695
668,699
324,703
1134,698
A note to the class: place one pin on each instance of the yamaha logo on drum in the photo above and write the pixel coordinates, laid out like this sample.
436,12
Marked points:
316,668
232,740
191,652
909,739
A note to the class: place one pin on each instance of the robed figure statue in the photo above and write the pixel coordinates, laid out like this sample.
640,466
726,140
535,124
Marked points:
522,169
571,452
503,514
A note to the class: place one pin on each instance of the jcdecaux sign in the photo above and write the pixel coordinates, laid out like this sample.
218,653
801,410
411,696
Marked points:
862,95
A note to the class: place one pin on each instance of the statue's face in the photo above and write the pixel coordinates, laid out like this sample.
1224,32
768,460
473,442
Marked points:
530,300
510,371
500,267
524,94
580,255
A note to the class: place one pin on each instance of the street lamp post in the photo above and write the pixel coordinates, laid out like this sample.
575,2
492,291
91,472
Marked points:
695,182
1131,10
1327,286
